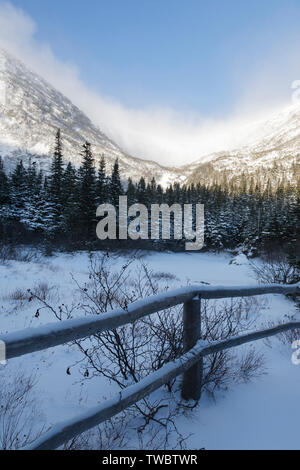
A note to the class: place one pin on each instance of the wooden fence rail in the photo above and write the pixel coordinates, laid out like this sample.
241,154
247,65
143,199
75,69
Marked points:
190,363
63,432
54,334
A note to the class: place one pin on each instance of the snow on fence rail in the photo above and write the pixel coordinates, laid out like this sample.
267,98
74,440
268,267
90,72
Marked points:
54,334
190,363
65,431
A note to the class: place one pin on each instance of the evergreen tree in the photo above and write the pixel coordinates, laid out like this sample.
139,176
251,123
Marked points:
55,187
18,181
115,185
70,196
55,180
87,192
37,213
141,192
246,210
4,186
101,187
131,192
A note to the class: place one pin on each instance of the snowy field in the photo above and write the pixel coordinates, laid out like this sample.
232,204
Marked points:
262,414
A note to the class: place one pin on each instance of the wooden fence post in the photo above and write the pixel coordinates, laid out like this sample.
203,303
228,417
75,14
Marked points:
192,378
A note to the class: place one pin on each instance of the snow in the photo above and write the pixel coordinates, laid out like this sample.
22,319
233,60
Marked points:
34,110
274,139
125,397
53,334
260,414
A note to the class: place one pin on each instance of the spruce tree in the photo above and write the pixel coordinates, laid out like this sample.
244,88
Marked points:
37,205
131,192
141,192
4,186
55,186
70,196
87,192
115,185
18,181
101,186
56,177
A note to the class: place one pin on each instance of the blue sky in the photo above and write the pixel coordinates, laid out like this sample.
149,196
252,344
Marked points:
168,80
185,54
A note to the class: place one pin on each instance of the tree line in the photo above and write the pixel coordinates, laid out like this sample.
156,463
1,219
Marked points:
60,207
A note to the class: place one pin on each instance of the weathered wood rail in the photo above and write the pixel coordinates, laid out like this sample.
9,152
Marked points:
190,363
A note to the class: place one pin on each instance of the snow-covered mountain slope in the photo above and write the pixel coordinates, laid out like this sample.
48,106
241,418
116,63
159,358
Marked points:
275,140
31,110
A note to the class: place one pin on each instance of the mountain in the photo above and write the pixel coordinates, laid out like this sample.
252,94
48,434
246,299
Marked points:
273,144
31,110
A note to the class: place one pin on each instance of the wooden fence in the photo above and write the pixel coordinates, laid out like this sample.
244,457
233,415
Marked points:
190,363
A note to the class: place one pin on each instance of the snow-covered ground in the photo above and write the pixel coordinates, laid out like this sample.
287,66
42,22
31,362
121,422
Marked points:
261,414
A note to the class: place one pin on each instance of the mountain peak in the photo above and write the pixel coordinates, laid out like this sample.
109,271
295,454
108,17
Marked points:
31,110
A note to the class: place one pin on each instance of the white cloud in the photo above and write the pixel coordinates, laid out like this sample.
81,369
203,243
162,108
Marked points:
163,135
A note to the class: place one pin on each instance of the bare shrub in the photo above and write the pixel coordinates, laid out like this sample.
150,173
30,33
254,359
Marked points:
275,268
130,353
41,292
121,431
163,433
220,321
111,435
17,299
18,407
6,253
18,253
286,337
18,295
163,275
